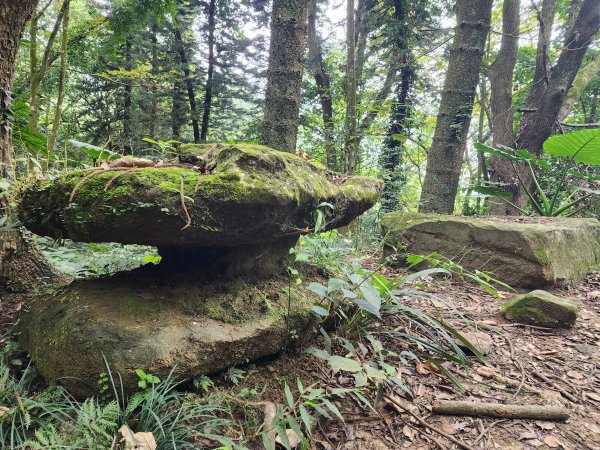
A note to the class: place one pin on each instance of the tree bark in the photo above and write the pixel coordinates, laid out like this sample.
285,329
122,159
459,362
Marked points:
351,143
392,155
20,262
583,78
537,127
284,76
38,69
323,82
447,149
189,83
153,89
500,75
211,67
62,80
127,102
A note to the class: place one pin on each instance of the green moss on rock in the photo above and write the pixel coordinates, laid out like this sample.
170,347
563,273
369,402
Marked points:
543,309
250,194
521,252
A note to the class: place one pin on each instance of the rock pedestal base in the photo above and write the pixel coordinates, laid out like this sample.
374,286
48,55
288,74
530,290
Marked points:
156,320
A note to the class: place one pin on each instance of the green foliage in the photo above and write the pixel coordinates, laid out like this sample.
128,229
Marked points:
363,299
146,379
578,147
50,418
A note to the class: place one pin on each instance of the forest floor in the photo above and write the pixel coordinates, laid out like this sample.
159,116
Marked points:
562,363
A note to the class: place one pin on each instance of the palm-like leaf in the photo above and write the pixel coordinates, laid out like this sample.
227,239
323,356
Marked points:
583,146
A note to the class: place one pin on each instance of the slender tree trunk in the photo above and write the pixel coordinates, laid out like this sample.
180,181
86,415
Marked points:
189,82
127,103
593,107
211,67
392,155
153,89
446,153
33,81
177,108
582,80
38,68
351,120
284,77
62,80
20,262
545,104
536,127
543,65
501,101
323,82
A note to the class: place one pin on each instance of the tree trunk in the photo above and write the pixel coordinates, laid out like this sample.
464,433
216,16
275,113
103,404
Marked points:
446,153
153,89
323,82
127,103
20,263
584,77
536,127
284,77
351,121
62,80
501,101
37,68
392,154
177,108
545,104
189,83
211,67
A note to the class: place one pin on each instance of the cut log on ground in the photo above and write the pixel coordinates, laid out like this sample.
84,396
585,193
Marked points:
477,409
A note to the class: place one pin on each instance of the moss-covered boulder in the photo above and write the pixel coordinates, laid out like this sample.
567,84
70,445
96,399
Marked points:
218,196
543,309
523,252
158,320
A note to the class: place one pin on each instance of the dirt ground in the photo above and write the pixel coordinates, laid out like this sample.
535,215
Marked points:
561,365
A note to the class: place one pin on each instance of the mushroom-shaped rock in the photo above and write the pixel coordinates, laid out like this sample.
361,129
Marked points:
217,196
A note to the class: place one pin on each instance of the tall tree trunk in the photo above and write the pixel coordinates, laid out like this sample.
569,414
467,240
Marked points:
153,89
447,149
284,77
351,119
545,105
177,108
584,77
62,80
20,262
211,67
543,65
536,127
127,102
323,82
38,68
500,75
392,155
189,82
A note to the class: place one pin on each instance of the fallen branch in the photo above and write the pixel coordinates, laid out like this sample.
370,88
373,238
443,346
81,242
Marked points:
477,409
400,409
489,373
564,393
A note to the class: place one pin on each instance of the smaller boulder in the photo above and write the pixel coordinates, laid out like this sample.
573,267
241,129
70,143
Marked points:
543,309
